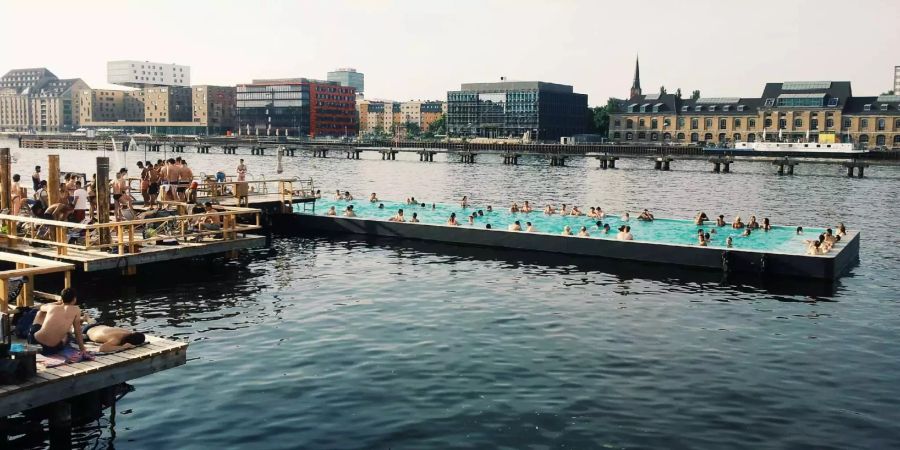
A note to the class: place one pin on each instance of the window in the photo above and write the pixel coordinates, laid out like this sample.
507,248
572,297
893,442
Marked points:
618,123
726,108
751,123
736,137
782,123
884,107
644,107
880,140
684,108
798,123
641,123
617,135
740,107
770,102
698,108
642,135
721,137
723,124
707,123
629,124
695,137
680,136
864,139
655,136
737,124
712,108
667,136
707,137
867,107
629,136
695,123
680,123
881,125
897,140
847,123
864,124
751,137
768,123
667,122
833,102
654,123
897,125
829,123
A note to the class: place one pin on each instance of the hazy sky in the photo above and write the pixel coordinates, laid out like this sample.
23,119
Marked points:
420,49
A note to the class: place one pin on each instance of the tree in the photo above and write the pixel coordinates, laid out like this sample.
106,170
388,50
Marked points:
412,129
695,95
678,94
662,90
599,117
439,125
888,93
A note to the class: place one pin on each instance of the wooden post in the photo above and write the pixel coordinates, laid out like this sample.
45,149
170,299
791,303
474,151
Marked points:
5,184
53,180
68,279
4,298
61,425
28,291
102,190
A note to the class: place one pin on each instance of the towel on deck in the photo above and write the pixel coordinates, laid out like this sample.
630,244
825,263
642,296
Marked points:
69,355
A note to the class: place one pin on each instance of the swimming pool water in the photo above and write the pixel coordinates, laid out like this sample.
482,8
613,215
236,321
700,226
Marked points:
783,239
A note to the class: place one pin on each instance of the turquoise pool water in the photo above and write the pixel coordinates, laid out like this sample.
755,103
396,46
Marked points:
782,239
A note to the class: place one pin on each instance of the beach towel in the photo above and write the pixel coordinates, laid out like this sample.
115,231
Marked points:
69,355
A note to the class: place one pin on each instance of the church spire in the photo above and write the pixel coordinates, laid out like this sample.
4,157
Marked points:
636,84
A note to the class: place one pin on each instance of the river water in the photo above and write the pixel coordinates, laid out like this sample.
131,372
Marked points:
326,342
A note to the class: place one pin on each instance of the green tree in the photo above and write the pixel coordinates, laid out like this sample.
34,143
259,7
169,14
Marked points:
439,125
599,117
678,94
695,95
412,129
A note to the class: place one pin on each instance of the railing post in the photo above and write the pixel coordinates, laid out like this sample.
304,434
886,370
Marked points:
5,195
53,181
102,190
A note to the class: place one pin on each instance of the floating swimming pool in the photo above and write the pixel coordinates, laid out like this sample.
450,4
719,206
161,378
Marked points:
670,241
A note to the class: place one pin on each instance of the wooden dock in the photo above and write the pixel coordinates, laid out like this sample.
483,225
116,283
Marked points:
51,385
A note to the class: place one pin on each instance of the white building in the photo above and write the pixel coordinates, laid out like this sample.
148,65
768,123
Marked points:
142,74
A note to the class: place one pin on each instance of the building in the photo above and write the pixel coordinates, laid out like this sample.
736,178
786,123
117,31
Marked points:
167,104
349,77
296,107
141,74
791,111
214,107
896,80
547,111
378,117
110,105
35,100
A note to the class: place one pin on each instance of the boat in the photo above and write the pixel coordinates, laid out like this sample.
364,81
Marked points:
812,147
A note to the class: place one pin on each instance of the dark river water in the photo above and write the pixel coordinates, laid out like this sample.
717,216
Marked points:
333,343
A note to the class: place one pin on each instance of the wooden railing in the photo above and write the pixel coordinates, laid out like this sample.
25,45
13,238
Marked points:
27,268
125,236
210,190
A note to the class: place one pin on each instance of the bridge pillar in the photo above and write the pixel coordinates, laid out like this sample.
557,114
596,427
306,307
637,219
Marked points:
726,167
658,165
790,169
861,168
612,162
665,165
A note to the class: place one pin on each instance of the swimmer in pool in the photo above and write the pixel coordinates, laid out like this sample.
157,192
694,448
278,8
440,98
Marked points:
720,221
381,206
583,232
599,225
701,240
526,208
737,224
576,211
514,208
331,212
766,226
398,217
487,226
753,224
338,195
374,198
729,242
814,248
592,212
621,234
529,228
349,212
413,201
347,196
415,218
489,209
549,210
606,228
600,213
471,219
480,213
628,236
563,211
567,231
700,218
452,220
625,217
799,230
464,202
646,216
516,226
746,233
707,237
829,236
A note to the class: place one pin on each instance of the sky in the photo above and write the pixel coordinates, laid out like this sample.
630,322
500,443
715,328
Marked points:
421,49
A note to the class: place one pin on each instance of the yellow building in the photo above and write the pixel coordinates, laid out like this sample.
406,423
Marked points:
35,100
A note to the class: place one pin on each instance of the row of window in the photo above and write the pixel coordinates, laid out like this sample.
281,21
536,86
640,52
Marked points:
880,124
880,140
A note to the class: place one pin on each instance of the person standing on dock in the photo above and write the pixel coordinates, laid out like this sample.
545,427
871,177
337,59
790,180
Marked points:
81,202
36,178
185,178
242,171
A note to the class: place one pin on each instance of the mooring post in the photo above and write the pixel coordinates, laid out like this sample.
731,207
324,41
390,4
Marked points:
666,164
781,169
860,170
791,169
658,165
5,194
61,425
726,169
717,167
102,190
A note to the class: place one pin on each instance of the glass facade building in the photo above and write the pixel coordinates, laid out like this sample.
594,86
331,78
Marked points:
273,108
546,111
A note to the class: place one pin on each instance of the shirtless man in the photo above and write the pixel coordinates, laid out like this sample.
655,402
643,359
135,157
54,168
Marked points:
720,221
516,226
170,174
398,217
53,322
549,210
737,224
567,231
415,218
628,236
646,216
145,184
59,211
349,212
753,224
529,227
583,232
331,212
153,183
185,178
374,198
526,208
112,339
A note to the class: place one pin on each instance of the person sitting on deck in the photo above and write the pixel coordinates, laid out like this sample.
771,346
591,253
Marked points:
549,210
628,236
567,231
516,226
58,211
52,324
398,217
842,230
415,218
814,247
349,211
331,211
111,339
212,221
700,218
347,196
529,227
373,198
646,216
583,232
464,202
766,226
753,224
720,221
737,224
452,220
526,208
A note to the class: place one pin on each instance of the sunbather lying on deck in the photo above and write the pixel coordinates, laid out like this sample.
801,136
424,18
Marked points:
112,339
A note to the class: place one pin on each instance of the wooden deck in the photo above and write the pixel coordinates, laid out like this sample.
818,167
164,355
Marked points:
96,260
68,380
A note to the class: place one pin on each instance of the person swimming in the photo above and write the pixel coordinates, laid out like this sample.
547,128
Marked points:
701,240
729,242
331,212
753,224
592,212
799,230
600,213
374,198
563,211
621,234
349,211
489,208
338,195
464,202
526,207
381,206
549,210
516,226
487,226
514,208
576,211
766,226
347,196
583,232
628,236
452,220
529,228
606,228
567,231
737,224
746,233
700,218
480,213
398,217
414,219
471,219
599,225
720,221
646,216
626,217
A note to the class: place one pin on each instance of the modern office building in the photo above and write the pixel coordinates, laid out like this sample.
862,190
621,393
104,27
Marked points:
546,111
35,100
214,107
110,105
141,74
296,107
167,104
349,77
791,111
